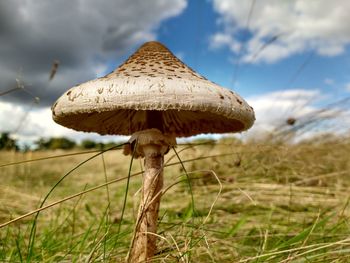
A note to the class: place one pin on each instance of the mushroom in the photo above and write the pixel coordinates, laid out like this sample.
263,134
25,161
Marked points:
155,98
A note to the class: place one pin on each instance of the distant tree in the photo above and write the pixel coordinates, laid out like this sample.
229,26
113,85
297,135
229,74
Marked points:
100,146
42,144
61,143
7,143
88,144
26,148
55,143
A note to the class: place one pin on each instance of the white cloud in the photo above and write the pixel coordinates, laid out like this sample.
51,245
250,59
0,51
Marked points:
278,29
219,40
29,124
274,109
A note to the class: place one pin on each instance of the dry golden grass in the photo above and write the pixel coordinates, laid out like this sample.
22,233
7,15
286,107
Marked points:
278,203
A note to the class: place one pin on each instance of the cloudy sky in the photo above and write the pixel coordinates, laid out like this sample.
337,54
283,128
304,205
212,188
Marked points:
287,58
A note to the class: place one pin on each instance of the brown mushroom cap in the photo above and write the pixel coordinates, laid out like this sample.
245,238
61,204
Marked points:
153,81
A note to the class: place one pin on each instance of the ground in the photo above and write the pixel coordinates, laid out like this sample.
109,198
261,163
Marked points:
246,202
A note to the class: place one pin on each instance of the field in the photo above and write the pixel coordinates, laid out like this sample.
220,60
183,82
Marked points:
252,202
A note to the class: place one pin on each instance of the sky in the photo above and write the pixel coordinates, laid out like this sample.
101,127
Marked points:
288,59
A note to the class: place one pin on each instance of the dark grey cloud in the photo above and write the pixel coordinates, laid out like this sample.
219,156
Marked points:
81,34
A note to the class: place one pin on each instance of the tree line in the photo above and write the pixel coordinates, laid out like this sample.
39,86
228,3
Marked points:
9,143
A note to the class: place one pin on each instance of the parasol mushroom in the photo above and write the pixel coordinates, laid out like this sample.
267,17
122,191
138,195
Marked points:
155,98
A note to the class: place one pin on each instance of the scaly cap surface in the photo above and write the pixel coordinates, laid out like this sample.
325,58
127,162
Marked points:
153,80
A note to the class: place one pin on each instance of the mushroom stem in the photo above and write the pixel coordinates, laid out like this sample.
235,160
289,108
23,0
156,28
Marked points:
152,145
144,243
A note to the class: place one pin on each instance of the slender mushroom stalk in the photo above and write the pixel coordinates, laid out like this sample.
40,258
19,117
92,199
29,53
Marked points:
154,97
151,145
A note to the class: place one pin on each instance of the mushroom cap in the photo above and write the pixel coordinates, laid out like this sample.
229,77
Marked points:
152,85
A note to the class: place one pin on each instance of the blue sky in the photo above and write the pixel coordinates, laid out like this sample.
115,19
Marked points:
304,69
189,34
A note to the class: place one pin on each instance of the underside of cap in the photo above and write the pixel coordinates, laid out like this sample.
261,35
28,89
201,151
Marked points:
153,88
173,122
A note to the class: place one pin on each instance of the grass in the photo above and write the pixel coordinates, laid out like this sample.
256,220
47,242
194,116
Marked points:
273,202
